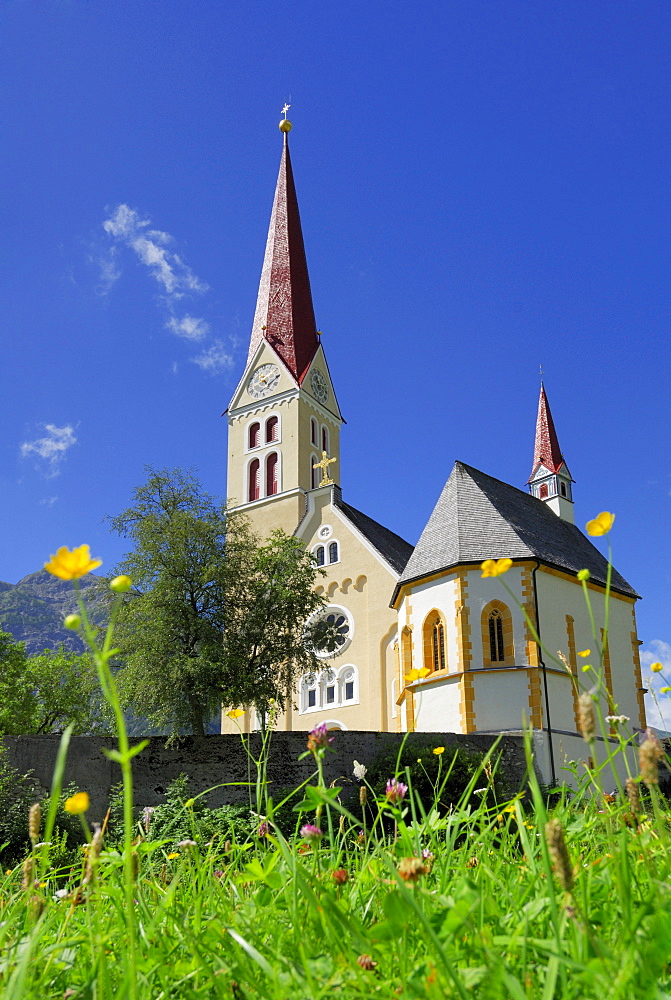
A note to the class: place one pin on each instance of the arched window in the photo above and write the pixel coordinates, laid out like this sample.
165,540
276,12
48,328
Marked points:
434,642
325,440
406,651
272,474
319,555
272,429
495,628
543,491
254,484
314,432
563,489
498,649
254,434
333,552
315,474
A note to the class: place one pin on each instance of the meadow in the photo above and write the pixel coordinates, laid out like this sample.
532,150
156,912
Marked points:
550,893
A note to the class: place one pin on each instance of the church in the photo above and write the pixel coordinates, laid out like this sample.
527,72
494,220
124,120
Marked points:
425,643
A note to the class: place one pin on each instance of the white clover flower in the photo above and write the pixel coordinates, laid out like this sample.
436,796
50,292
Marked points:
359,770
618,720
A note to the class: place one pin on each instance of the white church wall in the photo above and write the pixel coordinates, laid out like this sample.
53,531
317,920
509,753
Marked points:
561,701
437,706
480,593
559,597
501,699
425,597
573,749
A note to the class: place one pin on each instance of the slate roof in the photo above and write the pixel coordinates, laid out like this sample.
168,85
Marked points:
478,517
391,546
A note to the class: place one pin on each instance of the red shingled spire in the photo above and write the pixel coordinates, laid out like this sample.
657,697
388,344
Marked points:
546,449
285,316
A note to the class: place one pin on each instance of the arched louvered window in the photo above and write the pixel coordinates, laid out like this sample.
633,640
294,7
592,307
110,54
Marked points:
272,474
314,432
498,641
254,434
333,552
496,647
325,439
438,646
543,492
433,641
272,430
254,485
320,555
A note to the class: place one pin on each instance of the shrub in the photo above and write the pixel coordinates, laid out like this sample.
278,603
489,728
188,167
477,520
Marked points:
17,793
428,771
173,821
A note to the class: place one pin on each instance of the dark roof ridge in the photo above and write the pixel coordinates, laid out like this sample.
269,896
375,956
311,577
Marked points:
394,549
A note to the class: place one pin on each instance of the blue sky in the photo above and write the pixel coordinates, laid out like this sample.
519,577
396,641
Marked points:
484,188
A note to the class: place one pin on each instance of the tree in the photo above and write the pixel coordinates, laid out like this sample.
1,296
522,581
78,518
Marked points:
213,618
47,692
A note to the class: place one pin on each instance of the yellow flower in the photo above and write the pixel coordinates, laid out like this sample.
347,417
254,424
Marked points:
584,653
71,565
495,567
8,872
72,621
416,673
173,855
583,574
601,524
77,803
656,667
121,584
664,690
235,713
439,750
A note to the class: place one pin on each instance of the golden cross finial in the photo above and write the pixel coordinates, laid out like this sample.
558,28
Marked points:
285,109
323,465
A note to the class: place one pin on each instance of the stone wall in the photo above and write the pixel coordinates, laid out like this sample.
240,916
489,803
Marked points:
222,761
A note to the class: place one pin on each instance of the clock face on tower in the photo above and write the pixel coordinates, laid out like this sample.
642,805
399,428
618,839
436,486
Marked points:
263,381
319,386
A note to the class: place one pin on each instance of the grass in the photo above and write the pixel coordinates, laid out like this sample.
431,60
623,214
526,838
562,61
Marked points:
489,908
486,898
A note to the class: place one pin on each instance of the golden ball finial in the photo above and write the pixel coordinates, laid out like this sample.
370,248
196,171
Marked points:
285,125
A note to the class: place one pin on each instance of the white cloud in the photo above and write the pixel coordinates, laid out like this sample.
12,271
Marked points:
189,327
214,359
52,448
110,271
657,706
48,501
125,226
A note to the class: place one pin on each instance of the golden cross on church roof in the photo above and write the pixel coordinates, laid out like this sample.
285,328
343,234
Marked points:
323,465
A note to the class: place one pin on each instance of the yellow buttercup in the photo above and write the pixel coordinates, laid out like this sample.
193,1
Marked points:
70,565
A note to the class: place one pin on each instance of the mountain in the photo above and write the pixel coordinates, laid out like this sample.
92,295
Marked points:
33,609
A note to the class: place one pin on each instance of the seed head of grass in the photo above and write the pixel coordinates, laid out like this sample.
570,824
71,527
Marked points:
561,862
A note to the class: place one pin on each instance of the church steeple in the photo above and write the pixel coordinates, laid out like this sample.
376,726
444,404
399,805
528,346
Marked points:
285,316
284,414
550,478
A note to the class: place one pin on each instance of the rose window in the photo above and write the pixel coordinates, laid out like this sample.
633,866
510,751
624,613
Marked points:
332,632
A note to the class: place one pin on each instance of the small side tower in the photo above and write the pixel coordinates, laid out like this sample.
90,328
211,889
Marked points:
550,478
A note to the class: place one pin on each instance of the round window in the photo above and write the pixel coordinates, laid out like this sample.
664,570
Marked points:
331,632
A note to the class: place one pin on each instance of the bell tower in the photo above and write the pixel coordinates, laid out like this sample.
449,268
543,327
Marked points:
284,417
550,478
